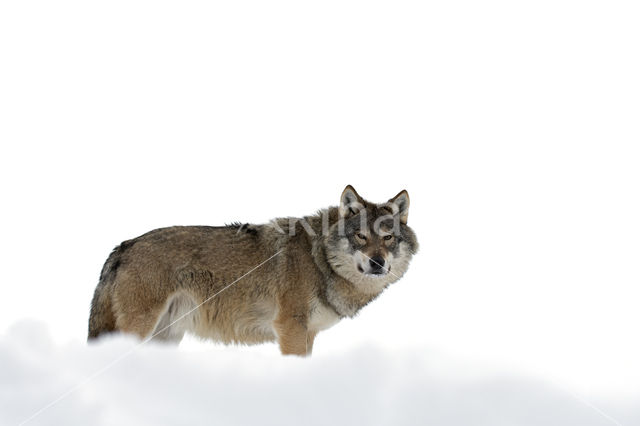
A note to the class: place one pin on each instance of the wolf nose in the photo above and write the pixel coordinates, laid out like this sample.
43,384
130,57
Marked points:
377,264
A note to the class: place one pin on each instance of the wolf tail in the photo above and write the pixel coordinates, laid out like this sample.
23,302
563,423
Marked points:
102,317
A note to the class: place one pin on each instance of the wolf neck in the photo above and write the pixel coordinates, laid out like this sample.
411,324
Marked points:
339,294
344,298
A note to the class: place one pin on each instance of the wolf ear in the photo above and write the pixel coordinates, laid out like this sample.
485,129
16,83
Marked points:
350,202
401,203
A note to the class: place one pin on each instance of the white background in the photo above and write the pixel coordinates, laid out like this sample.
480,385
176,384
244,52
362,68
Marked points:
514,127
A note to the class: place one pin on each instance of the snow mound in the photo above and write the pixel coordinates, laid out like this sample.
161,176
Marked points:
151,385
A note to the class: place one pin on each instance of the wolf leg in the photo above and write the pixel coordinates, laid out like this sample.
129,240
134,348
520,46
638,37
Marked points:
180,315
140,323
293,336
311,336
137,312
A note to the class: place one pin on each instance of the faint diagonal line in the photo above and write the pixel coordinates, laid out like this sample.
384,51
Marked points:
586,403
386,269
210,297
136,347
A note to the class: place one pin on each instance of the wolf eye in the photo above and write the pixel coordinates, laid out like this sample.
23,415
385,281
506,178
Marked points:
388,237
361,236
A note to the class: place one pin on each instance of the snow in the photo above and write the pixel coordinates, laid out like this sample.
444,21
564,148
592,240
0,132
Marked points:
150,384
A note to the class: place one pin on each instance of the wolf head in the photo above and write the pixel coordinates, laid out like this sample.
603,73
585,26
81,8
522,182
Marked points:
371,244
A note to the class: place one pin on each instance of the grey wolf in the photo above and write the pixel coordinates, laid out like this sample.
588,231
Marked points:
314,271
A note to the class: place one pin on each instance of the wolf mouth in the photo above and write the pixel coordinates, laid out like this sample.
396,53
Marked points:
375,274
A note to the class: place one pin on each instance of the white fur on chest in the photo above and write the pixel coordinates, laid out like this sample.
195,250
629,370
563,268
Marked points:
322,317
